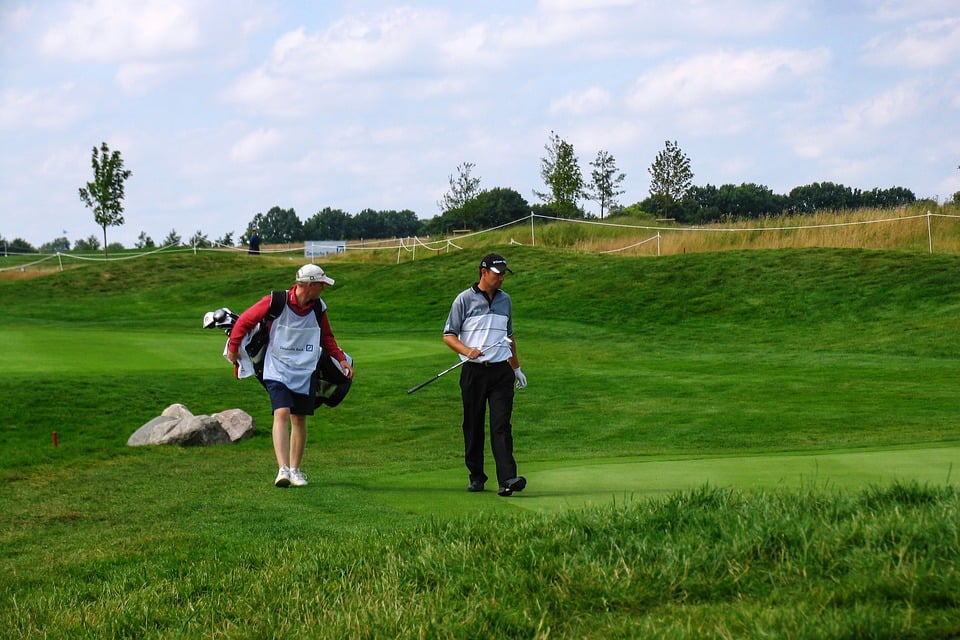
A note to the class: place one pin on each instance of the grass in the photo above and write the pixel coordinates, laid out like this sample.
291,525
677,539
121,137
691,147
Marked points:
733,444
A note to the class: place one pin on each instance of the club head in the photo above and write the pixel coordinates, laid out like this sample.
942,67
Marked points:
221,318
506,340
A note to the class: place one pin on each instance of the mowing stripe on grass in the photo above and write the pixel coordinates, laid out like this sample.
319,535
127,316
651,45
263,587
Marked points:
566,485
554,488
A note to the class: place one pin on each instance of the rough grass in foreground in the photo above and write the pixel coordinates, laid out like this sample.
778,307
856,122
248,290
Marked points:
712,563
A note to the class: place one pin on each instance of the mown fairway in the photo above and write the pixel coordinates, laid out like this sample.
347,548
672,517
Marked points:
742,444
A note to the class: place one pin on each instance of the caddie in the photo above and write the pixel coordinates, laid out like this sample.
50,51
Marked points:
297,338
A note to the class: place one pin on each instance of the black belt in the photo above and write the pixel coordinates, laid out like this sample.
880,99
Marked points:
486,363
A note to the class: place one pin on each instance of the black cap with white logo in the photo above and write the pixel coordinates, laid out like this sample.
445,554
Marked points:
495,262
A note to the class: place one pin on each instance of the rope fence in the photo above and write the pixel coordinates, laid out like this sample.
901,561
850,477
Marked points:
409,245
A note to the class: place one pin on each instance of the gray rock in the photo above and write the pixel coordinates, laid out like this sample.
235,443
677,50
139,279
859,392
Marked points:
237,423
177,425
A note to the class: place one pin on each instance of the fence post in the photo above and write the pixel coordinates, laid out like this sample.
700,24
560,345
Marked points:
929,234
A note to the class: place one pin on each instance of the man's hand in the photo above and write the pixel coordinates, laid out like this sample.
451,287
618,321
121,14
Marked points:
521,378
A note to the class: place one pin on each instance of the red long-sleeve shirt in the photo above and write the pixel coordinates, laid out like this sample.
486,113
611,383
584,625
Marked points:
249,319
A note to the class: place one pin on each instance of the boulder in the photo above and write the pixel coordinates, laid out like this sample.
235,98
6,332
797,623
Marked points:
237,423
177,425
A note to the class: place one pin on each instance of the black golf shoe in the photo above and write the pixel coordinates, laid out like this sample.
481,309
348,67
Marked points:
512,486
475,486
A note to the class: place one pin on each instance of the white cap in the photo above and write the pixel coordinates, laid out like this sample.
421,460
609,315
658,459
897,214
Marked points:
313,273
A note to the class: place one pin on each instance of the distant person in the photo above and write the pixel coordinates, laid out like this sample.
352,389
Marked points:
297,338
254,243
480,318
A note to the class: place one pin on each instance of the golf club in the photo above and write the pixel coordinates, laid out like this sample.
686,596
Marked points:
449,369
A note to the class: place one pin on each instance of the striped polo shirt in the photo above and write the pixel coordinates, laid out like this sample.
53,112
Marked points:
481,322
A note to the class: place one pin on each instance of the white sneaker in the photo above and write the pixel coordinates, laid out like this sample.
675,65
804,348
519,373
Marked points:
283,477
297,479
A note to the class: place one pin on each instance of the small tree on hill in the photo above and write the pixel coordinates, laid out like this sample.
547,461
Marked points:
173,239
560,171
144,241
605,181
104,194
670,174
462,189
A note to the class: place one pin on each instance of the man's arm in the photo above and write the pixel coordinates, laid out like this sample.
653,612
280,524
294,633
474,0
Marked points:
454,343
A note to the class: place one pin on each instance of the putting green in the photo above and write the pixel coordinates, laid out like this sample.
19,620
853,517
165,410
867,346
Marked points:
555,487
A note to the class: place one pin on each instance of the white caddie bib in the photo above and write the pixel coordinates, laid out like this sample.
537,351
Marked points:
293,351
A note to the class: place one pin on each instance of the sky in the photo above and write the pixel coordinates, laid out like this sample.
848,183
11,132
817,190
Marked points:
225,109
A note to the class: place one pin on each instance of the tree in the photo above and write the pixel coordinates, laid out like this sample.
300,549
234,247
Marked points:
17,245
670,174
105,193
399,224
560,171
278,226
328,224
496,207
823,196
462,190
605,182
226,240
199,241
91,243
172,240
57,245
144,241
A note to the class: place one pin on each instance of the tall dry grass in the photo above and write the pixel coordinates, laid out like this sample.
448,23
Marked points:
866,229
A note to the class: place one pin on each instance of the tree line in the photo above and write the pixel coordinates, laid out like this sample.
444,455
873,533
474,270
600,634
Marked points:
467,206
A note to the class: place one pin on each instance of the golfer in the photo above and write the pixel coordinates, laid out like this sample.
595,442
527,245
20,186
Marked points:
296,341
480,318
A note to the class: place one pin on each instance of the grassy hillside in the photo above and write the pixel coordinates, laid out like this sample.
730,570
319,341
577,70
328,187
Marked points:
733,444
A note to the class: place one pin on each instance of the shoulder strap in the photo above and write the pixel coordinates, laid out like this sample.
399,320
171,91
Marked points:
277,302
279,299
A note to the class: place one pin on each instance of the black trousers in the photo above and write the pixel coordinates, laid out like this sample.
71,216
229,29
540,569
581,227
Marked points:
482,385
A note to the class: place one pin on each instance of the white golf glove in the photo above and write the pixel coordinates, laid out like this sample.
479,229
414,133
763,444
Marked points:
521,378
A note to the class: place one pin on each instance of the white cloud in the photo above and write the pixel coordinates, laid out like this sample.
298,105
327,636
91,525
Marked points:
356,59
576,5
901,10
582,102
707,78
60,161
138,77
366,45
887,108
930,44
39,108
121,30
873,123
254,145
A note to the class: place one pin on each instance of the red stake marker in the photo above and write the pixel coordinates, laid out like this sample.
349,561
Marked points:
54,439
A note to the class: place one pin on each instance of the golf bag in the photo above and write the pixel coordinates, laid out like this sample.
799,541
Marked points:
331,385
